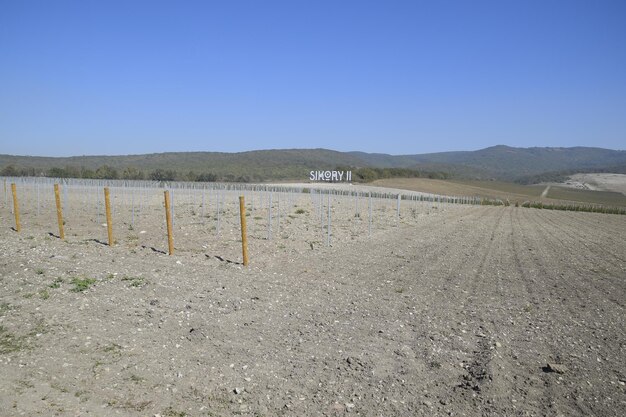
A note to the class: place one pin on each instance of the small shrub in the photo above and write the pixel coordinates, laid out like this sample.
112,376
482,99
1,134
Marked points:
134,281
4,307
112,348
82,284
56,283
300,211
136,379
9,342
171,412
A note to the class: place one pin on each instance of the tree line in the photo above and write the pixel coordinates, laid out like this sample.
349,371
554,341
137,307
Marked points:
109,173
372,174
364,174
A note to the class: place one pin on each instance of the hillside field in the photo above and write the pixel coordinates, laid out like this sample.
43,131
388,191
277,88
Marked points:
504,190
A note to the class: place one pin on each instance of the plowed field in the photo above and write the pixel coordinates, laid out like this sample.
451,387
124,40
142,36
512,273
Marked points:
454,311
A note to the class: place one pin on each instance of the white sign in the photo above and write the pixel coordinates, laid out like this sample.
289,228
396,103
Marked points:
332,176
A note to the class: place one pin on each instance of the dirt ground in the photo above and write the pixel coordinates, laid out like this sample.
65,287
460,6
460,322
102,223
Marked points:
602,182
448,310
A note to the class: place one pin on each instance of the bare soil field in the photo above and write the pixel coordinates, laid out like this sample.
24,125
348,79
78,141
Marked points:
599,181
485,189
446,310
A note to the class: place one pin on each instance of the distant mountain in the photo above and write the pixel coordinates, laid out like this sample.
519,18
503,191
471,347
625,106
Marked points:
497,162
505,162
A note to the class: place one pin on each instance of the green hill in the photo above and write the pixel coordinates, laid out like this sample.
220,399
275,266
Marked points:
497,162
507,163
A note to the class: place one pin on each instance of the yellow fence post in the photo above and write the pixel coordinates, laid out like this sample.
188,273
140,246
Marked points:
57,197
244,234
168,219
16,208
107,205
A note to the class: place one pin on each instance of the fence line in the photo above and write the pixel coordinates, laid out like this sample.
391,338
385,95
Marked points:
333,212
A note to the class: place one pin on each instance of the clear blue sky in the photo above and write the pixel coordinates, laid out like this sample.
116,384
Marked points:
108,77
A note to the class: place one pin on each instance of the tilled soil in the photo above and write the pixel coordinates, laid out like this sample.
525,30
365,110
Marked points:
497,311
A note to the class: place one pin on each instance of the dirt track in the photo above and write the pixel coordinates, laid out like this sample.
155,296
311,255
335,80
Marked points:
455,313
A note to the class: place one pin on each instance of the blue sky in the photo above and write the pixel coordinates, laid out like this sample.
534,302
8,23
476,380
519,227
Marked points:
400,77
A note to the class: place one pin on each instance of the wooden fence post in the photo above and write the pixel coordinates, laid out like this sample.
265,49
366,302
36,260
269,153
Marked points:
107,207
16,208
57,197
244,234
168,219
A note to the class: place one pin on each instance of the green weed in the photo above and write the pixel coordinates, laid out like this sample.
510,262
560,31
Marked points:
82,284
136,379
170,412
134,281
56,283
112,348
574,207
59,387
4,307
9,342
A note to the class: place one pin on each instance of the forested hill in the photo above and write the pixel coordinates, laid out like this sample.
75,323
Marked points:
507,163
497,162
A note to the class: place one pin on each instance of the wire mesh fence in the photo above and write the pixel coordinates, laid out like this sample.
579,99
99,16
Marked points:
205,214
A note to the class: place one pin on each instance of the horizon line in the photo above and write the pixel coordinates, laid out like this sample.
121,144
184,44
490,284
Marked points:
308,149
